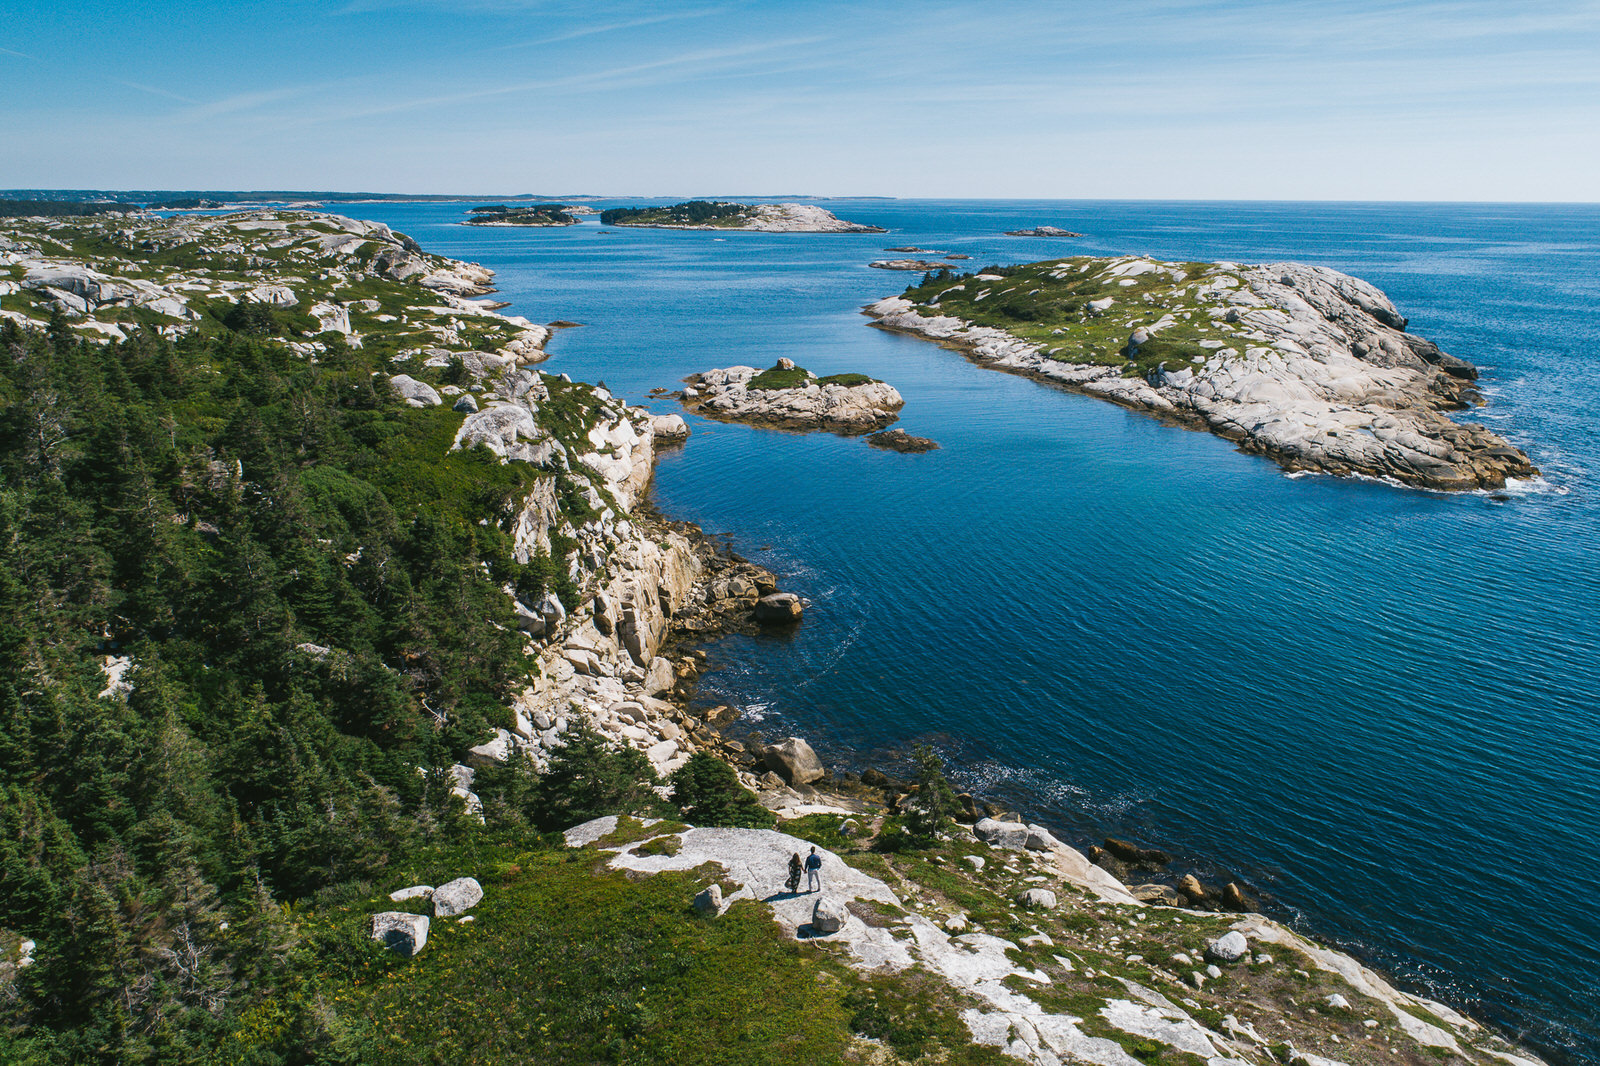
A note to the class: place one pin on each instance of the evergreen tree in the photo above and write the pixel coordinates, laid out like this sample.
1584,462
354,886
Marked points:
708,793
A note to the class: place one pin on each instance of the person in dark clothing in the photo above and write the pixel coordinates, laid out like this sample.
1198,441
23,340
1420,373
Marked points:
813,871
793,883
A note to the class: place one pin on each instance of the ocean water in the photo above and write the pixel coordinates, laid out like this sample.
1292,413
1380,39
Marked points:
1378,706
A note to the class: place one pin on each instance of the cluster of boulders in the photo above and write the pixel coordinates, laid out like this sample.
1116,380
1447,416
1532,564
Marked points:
406,933
727,394
1306,365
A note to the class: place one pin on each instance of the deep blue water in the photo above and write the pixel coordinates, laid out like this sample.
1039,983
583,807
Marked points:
1377,705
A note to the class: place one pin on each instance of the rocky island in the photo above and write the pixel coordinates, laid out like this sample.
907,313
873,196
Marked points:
1303,364
1042,231
792,397
906,264
523,215
727,215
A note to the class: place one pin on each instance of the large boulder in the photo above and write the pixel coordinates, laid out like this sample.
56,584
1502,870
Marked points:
1040,839
780,608
658,677
669,429
709,902
1229,947
828,916
794,761
1001,834
415,393
456,897
402,933
401,894
1037,899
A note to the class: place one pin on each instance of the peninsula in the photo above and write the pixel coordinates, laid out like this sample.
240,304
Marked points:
727,215
792,397
1303,364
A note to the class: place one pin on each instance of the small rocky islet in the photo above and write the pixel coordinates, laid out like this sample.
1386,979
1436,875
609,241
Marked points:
1303,364
1042,231
792,397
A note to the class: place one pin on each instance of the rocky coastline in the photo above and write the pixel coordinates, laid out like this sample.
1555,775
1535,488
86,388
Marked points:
1021,915
1302,364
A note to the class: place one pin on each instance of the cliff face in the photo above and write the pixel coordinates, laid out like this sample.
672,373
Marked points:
1304,364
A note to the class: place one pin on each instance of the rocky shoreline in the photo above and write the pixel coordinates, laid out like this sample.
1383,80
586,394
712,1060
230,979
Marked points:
1302,364
624,656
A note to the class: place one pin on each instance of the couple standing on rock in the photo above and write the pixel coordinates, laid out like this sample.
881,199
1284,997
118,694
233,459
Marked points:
813,869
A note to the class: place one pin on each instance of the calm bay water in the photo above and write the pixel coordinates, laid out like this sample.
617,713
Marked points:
1379,706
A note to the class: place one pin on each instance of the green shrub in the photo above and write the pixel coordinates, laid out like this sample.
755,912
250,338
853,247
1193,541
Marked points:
708,793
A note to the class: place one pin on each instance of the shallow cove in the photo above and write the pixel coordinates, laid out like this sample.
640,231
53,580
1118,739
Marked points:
1379,705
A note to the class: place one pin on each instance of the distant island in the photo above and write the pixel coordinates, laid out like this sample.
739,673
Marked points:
1301,363
728,215
523,215
1042,231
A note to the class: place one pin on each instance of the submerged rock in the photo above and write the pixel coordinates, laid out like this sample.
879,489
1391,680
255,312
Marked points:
898,440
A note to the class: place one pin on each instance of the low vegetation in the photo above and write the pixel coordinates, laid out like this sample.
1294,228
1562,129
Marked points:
522,215
1079,310
778,377
718,213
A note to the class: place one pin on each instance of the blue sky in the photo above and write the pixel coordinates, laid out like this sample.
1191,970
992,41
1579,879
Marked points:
1290,99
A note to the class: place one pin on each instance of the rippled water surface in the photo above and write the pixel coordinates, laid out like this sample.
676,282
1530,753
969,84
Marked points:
1378,705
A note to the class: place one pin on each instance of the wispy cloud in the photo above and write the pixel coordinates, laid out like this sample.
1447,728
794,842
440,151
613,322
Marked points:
250,101
612,27
156,91
19,55
672,69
